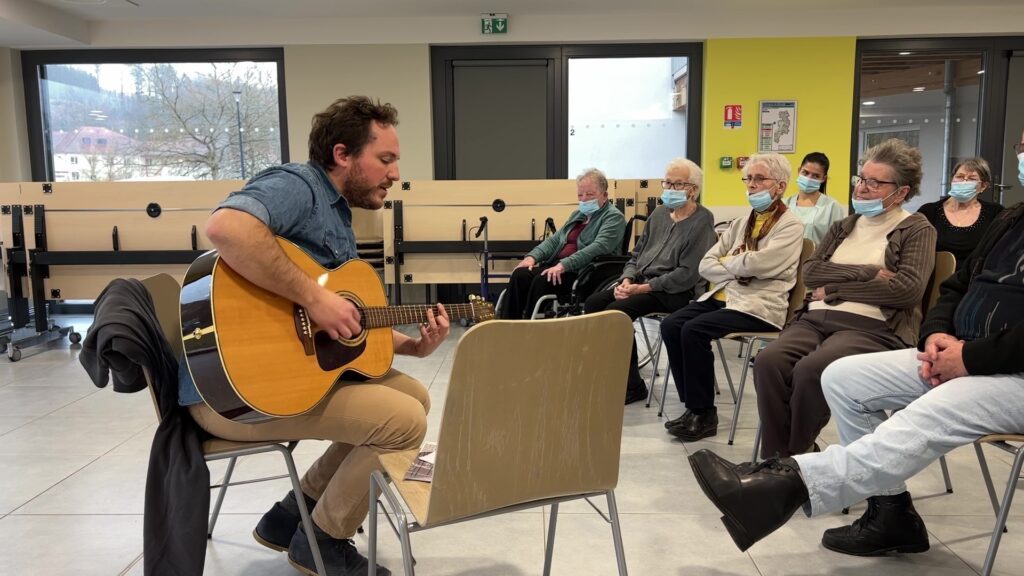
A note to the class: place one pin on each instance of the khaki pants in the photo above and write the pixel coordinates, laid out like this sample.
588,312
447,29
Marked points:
362,419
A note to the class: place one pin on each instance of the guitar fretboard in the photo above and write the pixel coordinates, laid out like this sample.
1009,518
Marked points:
381,316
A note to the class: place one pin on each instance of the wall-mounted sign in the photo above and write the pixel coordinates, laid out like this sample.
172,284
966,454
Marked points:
733,116
494,23
777,126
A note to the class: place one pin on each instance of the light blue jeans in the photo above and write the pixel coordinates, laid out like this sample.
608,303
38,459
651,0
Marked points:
878,453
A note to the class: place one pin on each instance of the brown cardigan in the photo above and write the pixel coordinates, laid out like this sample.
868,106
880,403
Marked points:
910,253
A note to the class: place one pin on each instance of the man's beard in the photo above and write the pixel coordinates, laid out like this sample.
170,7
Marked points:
359,192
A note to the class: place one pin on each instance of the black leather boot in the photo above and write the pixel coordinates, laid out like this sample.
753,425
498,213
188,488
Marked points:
276,528
677,421
890,524
755,500
698,426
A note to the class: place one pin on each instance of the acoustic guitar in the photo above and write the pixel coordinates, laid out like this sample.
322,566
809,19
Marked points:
255,355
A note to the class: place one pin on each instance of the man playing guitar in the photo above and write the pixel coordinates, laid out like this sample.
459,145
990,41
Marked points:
353,161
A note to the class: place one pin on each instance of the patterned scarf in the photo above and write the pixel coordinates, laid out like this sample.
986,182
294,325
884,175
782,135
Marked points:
750,240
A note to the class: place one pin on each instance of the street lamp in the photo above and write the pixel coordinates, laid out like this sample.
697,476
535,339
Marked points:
238,116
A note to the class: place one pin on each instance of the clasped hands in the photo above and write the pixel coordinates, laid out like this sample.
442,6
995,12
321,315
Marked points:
942,359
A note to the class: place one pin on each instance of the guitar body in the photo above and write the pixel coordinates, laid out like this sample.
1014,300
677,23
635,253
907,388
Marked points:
254,355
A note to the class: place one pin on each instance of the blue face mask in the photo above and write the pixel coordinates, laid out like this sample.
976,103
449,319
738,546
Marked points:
870,208
673,198
1020,168
588,207
807,185
761,200
963,191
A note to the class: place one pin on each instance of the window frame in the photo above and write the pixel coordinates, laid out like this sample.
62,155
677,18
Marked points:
33,61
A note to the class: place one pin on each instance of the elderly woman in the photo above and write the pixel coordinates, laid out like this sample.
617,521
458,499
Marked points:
868,278
811,205
661,274
595,229
752,268
962,218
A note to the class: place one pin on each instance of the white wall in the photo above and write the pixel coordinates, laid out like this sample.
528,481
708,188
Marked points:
621,118
14,158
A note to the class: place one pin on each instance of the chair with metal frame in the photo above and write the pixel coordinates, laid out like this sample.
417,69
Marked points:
797,296
517,435
1013,444
165,291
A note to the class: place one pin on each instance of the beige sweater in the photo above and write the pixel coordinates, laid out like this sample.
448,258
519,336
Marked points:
771,269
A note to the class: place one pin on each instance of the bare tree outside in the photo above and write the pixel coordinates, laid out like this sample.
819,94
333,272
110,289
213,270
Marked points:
116,122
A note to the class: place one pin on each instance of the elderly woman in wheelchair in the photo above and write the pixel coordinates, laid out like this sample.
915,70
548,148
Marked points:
661,273
595,229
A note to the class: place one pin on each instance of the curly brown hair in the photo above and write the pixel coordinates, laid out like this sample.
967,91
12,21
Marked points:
347,121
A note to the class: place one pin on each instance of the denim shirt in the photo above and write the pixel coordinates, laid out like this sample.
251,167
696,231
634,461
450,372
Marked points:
298,202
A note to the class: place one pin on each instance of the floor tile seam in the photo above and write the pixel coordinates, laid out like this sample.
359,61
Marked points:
74,514
952,552
19,427
86,465
51,487
131,565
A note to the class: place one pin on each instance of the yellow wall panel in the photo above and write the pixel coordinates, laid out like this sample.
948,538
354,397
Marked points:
816,72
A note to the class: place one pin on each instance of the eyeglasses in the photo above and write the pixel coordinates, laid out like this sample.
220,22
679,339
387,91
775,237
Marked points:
678,186
756,180
870,183
1018,148
962,178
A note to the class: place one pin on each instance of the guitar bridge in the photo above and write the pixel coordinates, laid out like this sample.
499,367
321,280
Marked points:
304,329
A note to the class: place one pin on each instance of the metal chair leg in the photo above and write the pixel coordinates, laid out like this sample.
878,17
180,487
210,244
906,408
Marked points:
945,474
725,367
220,496
664,392
987,476
1004,511
757,443
739,396
307,522
549,550
613,517
371,536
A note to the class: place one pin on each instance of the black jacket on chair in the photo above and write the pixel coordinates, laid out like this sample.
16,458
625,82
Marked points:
125,337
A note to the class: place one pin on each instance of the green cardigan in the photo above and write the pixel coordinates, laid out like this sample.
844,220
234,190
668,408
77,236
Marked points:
602,235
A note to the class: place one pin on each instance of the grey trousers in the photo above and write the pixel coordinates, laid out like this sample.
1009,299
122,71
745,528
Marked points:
787,374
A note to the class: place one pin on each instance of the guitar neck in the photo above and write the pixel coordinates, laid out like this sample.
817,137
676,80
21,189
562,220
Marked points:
381,316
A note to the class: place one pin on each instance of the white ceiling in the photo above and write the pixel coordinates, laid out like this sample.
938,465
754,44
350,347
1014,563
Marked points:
117,23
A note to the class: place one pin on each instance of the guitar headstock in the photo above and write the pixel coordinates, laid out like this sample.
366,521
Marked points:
482,309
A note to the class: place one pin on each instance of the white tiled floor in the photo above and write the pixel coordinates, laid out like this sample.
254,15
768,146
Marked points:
73,468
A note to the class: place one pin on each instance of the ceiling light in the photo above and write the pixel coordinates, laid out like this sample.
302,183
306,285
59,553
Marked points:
868,103
901,53
919,89
981,71
85,2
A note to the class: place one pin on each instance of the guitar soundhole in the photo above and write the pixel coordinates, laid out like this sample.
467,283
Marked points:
331,354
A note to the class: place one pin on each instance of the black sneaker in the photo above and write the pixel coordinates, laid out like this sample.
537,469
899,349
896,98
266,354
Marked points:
340,556
276,528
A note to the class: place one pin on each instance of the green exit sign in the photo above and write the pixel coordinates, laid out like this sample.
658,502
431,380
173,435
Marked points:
494,23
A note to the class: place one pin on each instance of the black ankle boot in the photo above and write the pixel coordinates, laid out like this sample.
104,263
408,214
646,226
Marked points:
276,527
678,421
697,426
340,556
755,500
890,524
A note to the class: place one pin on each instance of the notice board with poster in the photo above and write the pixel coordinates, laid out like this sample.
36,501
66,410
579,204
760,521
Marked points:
777,126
